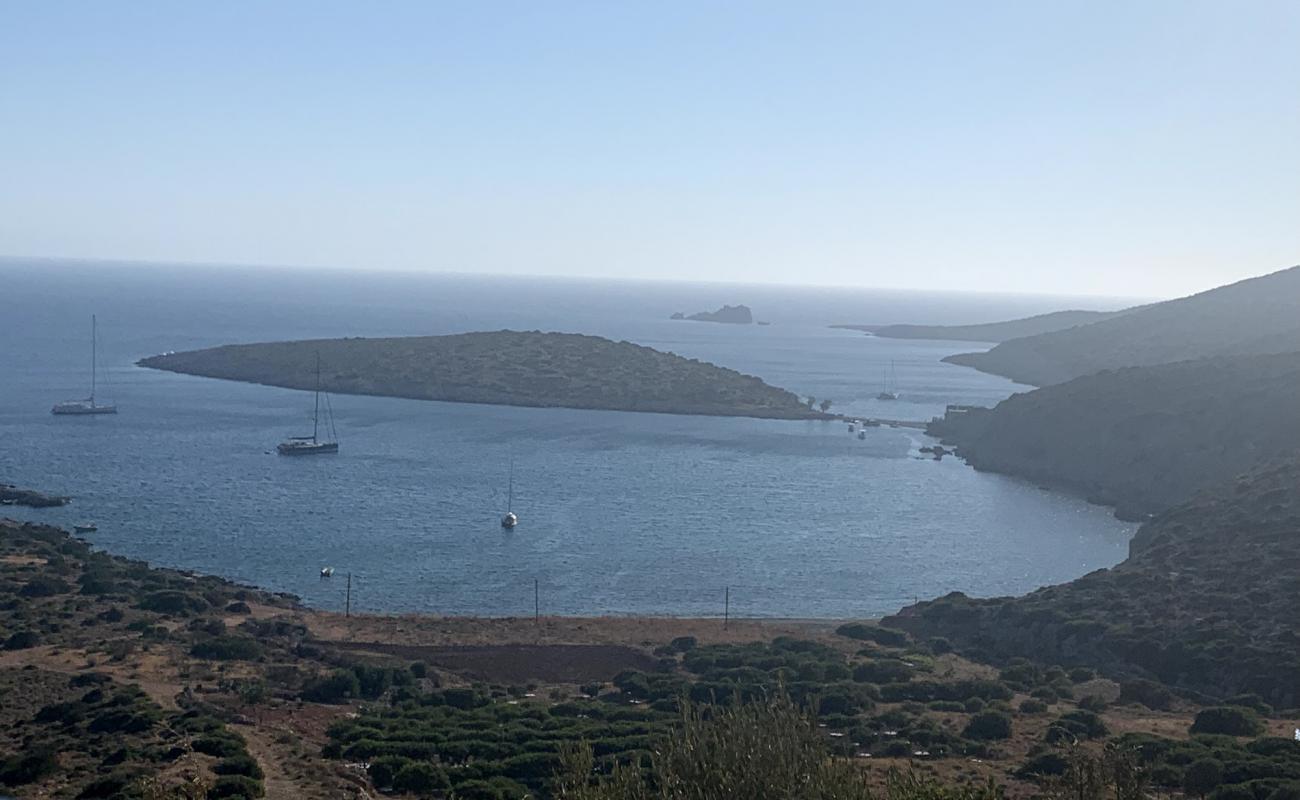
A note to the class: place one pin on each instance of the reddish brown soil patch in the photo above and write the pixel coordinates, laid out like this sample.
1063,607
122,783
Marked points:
521,663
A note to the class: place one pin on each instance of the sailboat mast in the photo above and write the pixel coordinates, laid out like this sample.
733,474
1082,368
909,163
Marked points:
510,493
94,348
315,414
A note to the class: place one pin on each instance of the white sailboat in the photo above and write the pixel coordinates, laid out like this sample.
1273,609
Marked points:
314,444
889,392
88,406
510,519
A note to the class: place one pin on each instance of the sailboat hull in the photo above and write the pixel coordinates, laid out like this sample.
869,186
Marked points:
82,409
306,448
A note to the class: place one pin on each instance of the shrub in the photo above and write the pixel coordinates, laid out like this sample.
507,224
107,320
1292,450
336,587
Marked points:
1044,765
1086,723
173,602
18,770
227,648
22,640
242,764
987,725
873,633
683,644
383,768
421,777
1092,703
221,744
1082,674
44,586
109,786
1147,693
1227,720
339,686
1032,706
885,670
239,607
940,645
235,786
1202,776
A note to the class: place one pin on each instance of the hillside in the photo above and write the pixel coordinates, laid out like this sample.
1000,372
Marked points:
1253,317
503,367
1140,439
989,331
1205,600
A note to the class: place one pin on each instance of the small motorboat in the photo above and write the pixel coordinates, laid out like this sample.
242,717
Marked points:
852,427
862,434
86,527
326,572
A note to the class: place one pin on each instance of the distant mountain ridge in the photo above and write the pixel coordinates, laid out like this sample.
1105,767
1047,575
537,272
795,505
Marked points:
1205,600
988,331
1256,316
1141,439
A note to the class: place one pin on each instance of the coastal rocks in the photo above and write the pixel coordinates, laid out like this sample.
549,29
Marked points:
13,496
938,451
734,315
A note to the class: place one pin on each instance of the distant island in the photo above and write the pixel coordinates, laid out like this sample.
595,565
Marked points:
735,315
1258,316
538,369
989,331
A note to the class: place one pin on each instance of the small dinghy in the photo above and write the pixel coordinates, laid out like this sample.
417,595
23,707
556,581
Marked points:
326,572
85,528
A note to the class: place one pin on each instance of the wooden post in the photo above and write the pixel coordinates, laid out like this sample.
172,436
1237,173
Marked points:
726,609
537,602
347,609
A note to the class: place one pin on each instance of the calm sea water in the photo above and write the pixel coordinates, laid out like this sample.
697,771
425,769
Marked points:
621,513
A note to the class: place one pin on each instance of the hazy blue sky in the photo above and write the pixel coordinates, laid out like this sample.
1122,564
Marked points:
1136,148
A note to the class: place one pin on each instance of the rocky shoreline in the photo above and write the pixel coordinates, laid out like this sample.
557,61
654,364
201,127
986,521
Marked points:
13,496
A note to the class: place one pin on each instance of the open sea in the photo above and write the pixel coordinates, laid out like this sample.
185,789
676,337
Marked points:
621,513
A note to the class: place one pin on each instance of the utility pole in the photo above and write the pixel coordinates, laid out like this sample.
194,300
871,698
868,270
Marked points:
347,609
726,609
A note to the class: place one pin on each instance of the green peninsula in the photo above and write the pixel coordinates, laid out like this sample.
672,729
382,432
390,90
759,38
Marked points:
516,368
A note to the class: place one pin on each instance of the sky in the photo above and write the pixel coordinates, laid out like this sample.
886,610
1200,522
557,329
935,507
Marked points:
1138,148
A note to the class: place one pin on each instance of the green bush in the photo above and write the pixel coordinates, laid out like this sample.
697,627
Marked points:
227,648
873,633
1044,765
242,764
22,640
1228,720
988,725
1032,706
24,768
173,603
236,786
683,644
1202,776
339,686
382,769
1085,722
1147,693
44,586
421,777
221,744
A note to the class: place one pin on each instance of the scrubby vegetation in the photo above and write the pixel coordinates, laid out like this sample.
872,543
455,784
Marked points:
503,367
1142,439
1205,603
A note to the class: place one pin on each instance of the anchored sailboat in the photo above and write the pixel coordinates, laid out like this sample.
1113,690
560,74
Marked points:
314,444
88,406
510,519
890,389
